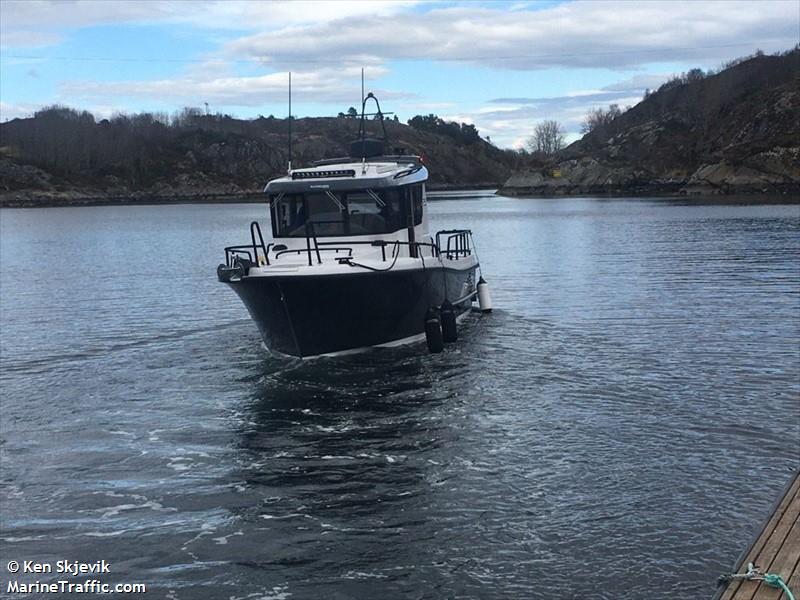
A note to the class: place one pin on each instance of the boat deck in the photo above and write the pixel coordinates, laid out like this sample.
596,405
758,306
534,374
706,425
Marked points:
776,550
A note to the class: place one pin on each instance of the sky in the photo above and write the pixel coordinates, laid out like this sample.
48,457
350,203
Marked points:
503,66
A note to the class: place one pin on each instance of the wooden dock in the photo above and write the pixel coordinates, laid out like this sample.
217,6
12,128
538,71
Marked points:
775,550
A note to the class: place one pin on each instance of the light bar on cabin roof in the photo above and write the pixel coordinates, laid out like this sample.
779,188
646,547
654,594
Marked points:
323,174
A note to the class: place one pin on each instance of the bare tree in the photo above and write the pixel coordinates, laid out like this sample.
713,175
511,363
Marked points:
187,117
547,138
600,117
693,75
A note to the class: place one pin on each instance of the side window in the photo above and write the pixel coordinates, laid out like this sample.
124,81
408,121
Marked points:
415,196
288,214
392,211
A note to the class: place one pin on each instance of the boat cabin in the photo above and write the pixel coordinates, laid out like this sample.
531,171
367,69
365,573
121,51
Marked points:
384,199
346,212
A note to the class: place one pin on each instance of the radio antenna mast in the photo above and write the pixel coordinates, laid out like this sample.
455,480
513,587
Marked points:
361,126
290,121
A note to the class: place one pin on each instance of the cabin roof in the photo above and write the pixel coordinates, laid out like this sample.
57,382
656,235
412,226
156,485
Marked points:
348,174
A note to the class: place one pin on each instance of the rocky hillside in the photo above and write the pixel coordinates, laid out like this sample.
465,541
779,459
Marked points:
734,132
65,156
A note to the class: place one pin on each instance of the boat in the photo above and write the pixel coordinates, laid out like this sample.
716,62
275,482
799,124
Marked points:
352,264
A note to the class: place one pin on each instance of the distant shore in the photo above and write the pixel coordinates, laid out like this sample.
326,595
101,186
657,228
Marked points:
589,178
55,199
787,192
34,199
37,199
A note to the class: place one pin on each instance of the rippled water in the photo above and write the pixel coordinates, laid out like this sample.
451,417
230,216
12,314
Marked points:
617,428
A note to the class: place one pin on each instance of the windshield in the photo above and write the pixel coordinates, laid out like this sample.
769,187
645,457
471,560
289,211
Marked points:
357,212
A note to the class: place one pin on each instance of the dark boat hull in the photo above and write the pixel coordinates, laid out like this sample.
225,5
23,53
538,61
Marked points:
322,314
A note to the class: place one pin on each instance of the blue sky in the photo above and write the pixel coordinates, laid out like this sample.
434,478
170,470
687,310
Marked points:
503,66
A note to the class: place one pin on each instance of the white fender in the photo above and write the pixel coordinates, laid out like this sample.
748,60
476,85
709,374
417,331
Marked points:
484,298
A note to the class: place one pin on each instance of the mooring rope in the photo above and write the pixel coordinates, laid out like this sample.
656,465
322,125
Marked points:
753,574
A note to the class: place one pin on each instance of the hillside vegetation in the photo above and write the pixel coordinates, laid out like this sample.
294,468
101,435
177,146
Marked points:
63,155
737,131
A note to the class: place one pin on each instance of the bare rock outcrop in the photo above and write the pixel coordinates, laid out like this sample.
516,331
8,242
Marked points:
736,132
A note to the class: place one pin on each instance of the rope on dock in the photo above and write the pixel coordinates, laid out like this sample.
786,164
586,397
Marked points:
753,574
774,580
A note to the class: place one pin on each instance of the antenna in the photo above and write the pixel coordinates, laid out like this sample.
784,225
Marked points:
361,125
290,121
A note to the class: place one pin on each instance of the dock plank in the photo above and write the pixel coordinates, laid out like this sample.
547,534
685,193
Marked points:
794,580
784,564
776,550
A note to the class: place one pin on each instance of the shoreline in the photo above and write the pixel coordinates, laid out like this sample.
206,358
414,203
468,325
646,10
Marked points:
35,199
27,199
50,201
790,190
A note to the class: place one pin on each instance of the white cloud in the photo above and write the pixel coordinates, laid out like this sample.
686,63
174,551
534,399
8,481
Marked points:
52,14
323,85
638,83
40,23
24,110
555,103
505,118
497,109
246,14
510,125
28,39
15,61
13,110
242,15
420,107
460,118
578,34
